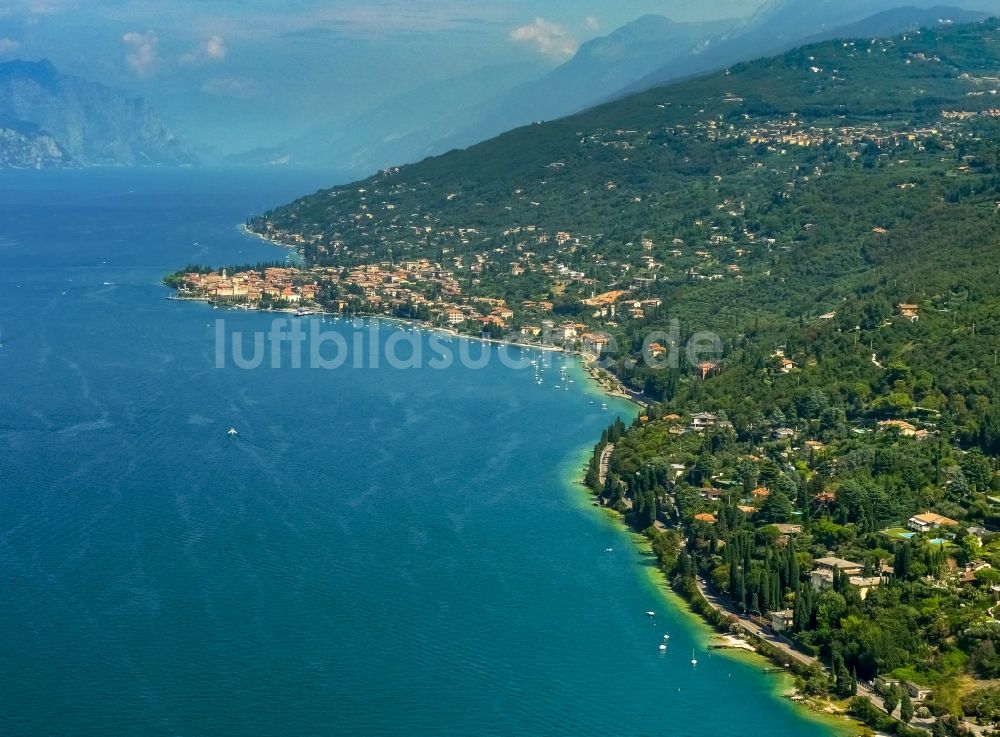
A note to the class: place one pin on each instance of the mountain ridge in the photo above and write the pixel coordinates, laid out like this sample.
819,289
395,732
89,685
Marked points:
649,51
783,24
91,124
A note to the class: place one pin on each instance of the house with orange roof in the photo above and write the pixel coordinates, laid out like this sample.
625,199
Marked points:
929,521
905,429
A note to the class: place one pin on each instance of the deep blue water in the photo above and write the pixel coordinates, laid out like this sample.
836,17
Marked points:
379,551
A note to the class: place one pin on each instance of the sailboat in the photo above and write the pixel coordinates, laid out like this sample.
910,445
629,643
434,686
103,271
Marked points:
694,660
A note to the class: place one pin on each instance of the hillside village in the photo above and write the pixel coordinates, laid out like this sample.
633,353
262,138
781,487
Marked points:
411,290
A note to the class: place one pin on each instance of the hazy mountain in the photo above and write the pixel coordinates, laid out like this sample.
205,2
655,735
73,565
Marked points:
654,49
277,156
647,52
900,19
600,68
782,24
404,127
92,125
26,146
468,109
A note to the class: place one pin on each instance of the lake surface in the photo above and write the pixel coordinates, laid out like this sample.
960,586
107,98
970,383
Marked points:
378,552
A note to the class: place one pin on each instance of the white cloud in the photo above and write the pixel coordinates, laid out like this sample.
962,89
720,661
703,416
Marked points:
8,46
591,23
141,52
549,38
212,49
46,7
215,48
230,87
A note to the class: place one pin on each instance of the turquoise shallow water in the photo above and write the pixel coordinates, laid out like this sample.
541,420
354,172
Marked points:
379,552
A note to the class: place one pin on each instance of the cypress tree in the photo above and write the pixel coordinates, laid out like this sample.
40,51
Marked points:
801,612
905,707
903,560
891,698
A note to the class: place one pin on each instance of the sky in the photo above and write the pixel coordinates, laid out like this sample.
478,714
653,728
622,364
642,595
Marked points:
241,73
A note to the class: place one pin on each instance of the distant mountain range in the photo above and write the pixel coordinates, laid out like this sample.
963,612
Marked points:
783,24
648,52
406,127
462,111
599,69
51,119
898,20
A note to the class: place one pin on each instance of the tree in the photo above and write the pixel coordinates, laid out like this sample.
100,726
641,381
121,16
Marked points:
957,484
777,508
841,675
812,404
903,560
970,547
987,576
891,698
905,707
989,433
803,610
985,660
703,469
746,474
976,468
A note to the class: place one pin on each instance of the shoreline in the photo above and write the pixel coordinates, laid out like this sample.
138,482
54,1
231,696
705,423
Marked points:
710,637
587,360
606,384
260,236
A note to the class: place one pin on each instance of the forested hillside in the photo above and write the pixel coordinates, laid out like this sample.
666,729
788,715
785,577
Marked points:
838,180
833,217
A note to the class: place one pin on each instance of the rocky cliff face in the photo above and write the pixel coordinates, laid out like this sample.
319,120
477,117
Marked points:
90,124
26,147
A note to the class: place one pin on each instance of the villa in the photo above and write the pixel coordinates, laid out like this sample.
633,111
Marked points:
703,421
929,521
782,620
822,577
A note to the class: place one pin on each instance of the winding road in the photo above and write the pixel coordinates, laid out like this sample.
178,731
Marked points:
785,647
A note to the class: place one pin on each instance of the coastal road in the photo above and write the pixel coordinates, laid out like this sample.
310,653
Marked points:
764,633
602,474
787,649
